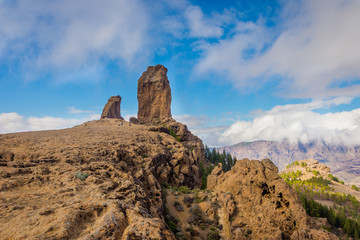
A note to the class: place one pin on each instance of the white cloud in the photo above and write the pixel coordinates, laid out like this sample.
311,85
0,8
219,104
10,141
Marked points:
316,53
199,26
13,122
190,21
57,35
316,104
295,122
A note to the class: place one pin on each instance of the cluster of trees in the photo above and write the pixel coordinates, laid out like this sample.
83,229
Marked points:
344,213
318,183
296,163
335,179
216,157
336,219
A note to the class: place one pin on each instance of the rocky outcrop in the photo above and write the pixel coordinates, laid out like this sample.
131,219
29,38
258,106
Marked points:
134,120
154,95
99,180
255,202
112,108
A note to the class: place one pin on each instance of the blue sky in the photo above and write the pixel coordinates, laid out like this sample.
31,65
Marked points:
239,70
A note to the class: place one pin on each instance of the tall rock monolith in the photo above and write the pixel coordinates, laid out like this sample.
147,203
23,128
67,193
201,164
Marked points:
154,95
112,108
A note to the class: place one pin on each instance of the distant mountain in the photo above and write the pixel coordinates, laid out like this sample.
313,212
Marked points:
343,160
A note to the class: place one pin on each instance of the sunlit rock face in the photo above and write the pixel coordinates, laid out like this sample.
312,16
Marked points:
154,95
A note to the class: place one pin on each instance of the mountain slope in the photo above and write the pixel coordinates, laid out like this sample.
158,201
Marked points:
99,180
344,161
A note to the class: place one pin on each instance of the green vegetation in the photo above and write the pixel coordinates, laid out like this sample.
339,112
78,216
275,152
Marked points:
214,158
165,185
82,176
204,173
316,173
224,158
345,212
184,189
296,163
172,132
171,222
335,179
336,219
355,187
213,235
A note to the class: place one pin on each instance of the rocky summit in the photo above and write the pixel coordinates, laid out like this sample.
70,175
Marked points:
154,95
113,179
254,201
112,108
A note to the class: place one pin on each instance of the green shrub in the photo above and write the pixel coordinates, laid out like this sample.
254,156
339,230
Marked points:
184,189
333,178
213,235
173,133
82,176
172,226
165,185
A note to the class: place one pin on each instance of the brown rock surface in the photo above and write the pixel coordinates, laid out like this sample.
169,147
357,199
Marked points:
98,180
256,203
112,108
154,95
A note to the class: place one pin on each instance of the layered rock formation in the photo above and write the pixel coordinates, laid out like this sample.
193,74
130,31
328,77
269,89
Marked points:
112,108
256,203
154,95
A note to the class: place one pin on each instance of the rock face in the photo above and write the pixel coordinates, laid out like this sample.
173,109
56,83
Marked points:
98,180
112,108
154,95
257,203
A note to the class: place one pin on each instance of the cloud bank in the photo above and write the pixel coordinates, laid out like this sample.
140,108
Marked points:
13,122
292,122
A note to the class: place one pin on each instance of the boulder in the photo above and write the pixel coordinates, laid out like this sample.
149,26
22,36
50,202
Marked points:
154,95
134,120
112,108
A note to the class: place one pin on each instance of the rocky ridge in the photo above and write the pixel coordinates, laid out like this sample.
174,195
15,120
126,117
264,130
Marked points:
97,180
